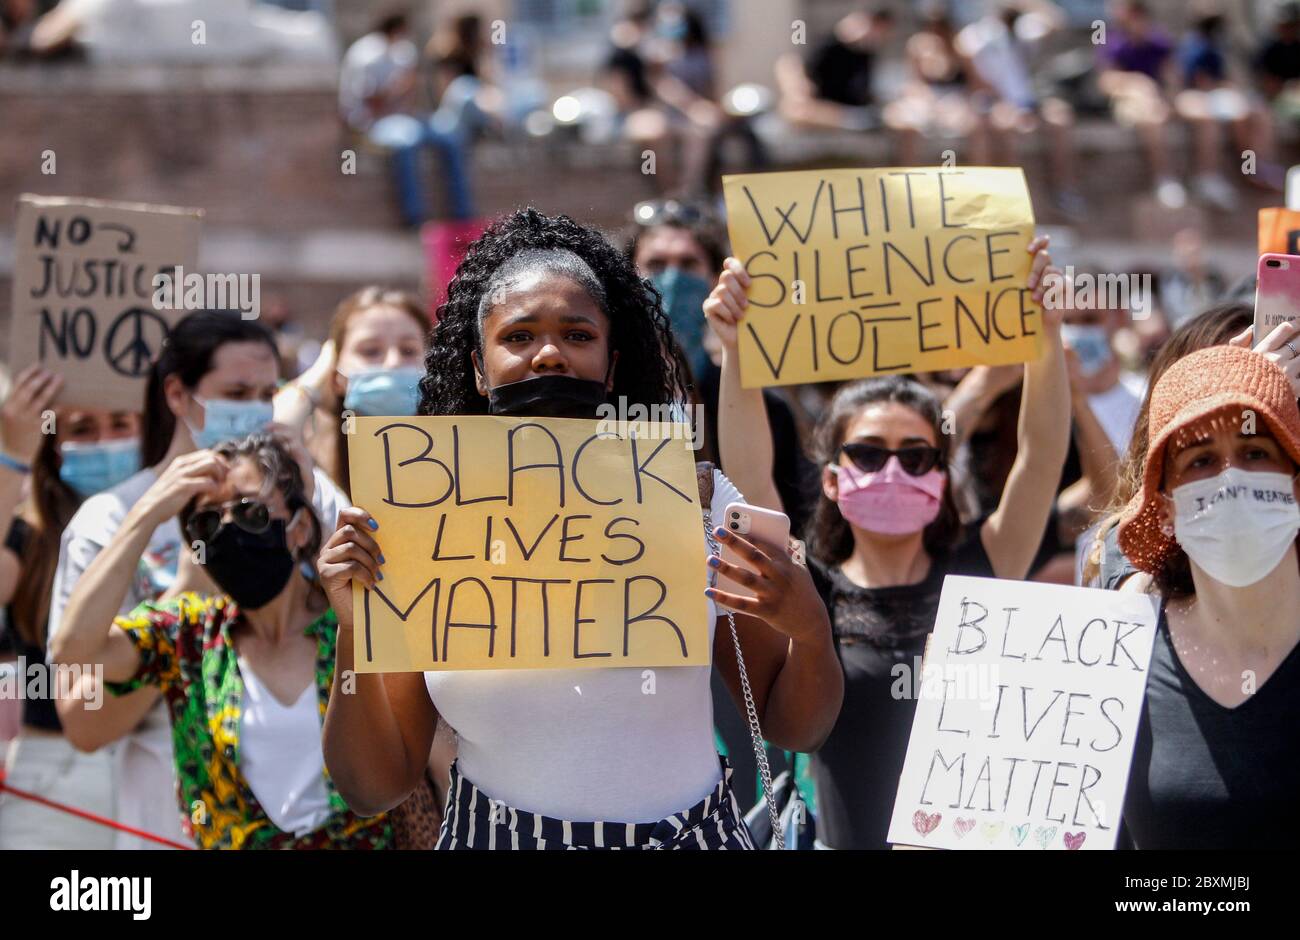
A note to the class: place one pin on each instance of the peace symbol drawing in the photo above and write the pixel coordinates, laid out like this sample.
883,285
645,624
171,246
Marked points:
134,340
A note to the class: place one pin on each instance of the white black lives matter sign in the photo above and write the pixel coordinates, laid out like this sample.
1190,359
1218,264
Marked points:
1024,730
83,292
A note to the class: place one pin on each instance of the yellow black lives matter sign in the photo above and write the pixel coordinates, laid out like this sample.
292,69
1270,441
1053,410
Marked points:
539,543
867,272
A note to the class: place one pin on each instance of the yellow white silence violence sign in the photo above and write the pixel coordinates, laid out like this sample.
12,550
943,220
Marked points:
866,272
529,543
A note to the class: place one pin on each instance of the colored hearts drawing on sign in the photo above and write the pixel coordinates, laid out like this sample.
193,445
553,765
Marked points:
1074,839
962,826
1019,833
991,831
926,824
1043,835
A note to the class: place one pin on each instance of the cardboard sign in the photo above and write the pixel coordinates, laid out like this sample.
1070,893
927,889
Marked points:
1279,232
83,292
865,272
1024,730
547,543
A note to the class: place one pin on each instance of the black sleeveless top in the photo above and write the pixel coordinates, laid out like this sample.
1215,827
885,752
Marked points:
38,710
1205,776
879,639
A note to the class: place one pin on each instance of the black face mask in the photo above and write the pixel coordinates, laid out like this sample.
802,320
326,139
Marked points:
548,396
252,568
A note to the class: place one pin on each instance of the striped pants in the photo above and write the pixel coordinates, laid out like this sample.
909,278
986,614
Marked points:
474,821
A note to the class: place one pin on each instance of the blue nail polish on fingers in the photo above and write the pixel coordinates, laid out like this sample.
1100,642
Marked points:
714,561
721,533
372,523
708,592
381,559
381,576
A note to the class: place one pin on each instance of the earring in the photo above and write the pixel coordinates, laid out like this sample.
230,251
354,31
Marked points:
1167,530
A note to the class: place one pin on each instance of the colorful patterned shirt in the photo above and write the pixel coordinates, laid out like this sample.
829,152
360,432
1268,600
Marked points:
186,650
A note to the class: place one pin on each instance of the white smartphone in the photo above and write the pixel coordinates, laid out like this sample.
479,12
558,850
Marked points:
765,526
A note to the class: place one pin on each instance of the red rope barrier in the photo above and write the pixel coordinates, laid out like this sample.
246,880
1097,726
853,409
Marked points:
91,817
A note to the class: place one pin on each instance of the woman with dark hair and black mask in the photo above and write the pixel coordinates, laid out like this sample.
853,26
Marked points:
546,318
245,671
884,535
213,380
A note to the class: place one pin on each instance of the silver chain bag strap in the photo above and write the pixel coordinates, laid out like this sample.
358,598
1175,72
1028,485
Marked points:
755,732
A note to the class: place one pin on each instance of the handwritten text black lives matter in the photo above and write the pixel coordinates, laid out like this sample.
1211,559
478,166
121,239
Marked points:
530,544
1038,755
864,272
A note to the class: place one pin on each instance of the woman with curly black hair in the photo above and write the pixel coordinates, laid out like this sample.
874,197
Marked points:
546,318
636,322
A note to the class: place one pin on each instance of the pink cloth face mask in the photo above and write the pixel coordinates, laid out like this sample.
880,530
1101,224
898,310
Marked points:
890,501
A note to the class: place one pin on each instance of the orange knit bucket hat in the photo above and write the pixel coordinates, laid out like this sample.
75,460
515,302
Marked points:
1199,384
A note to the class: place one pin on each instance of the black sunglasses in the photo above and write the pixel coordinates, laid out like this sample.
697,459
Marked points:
249,514
917,460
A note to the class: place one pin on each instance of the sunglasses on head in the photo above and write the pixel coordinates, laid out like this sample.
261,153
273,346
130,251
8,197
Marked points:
249,514
916,460
667,212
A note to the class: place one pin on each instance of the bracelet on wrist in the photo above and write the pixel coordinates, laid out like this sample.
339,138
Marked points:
14,464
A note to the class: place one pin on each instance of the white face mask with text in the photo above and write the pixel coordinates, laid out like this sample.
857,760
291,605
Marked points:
1238,525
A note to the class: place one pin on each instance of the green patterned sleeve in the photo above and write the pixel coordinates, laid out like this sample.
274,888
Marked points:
154,628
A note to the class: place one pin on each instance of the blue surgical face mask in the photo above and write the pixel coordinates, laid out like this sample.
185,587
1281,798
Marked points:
226,420
380,392
684,295
1091,344
93,468
671,27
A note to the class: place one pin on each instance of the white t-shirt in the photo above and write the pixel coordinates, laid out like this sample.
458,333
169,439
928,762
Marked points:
589,744
1117,410
280,755
370,66
1000,58
144,769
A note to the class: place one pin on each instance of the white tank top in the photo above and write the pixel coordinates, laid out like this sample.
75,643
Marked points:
280,755
610,745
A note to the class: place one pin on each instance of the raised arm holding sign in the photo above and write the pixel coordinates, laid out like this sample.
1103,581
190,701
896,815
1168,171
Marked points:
885,532
863,272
